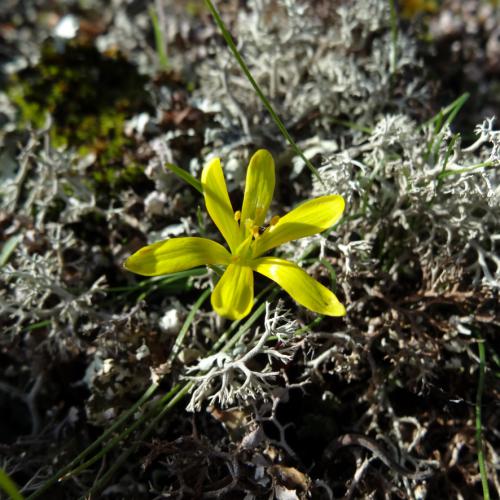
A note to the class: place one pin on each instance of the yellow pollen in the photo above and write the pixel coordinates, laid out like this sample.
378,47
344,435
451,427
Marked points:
275,220
237,216
255,231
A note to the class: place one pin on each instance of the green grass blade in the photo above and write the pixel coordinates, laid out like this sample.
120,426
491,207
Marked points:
117,439
450,112
465,170
394,36
38,325
185,176
308,328
457,106
332,273
99,485
8,248
454,107
479,427
7,485
172,395
352,125
170,403
185,327
126,415
232,47
159,40
449,149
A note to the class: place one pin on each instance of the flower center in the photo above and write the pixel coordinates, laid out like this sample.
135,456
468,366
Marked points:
252,232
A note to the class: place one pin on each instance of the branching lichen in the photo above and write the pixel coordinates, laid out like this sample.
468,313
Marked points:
225,378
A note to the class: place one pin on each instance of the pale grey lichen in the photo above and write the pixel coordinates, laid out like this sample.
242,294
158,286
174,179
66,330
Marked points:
37,281
229,377
444,198
312,69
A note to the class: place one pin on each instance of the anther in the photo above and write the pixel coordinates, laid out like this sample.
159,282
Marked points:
237,216
274,220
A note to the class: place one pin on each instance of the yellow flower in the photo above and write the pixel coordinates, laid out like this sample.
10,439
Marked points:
233,295
410,8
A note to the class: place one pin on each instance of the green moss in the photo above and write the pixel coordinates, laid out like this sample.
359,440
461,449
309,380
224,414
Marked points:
89,96
130,175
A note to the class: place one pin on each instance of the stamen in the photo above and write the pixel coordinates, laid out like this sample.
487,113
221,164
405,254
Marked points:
255,231
274,220
234,259
237,215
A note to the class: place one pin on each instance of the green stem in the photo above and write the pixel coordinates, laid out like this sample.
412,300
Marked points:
111,444
126,415
185,327
159,40
479,428
394,36
144,434
70,470
232,47
7,485
453,107
484,164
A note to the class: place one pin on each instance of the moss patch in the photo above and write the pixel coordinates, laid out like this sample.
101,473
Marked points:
89,95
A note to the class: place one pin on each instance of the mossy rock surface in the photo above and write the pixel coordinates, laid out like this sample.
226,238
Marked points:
89,95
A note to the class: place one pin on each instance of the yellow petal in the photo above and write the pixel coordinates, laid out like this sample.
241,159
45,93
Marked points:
259,188
176,254
218,203
299,285
233,294
313,216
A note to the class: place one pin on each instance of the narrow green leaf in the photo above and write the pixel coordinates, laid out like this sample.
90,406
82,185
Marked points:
38,325
159,40
232,47
185,327
7,485
8,247
451,145
440,124
484,164
185,176
352,125
458,104
479,426
394,36
107,433
453,107
332,273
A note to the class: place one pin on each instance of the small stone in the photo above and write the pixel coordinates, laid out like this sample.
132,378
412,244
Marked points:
170,322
